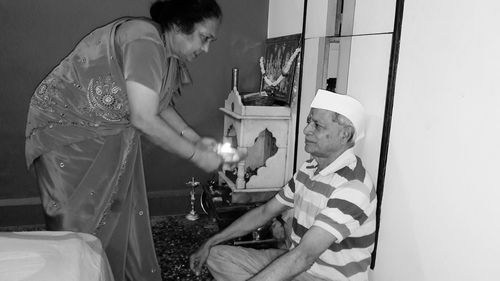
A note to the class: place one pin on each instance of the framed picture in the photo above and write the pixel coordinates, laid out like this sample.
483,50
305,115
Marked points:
279,50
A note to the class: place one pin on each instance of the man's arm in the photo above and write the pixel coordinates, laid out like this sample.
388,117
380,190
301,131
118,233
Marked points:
315,241
251,220
243,225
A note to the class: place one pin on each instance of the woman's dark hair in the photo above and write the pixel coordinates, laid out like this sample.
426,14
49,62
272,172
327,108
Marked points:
183,13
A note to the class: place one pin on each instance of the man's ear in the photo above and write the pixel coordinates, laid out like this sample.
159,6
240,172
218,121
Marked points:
347,134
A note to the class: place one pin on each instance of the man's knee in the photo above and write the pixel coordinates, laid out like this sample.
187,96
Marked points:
214,251
217,255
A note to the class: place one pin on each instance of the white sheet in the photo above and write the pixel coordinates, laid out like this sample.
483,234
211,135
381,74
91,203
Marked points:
52,256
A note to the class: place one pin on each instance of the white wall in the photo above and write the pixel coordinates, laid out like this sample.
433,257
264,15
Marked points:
440,207
367,82
320,22
365,74
285,17
440,211
363,64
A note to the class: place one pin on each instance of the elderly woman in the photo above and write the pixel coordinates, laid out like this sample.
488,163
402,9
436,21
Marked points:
86,117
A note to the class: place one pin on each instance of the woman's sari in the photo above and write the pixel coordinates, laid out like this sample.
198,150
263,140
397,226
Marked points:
87,155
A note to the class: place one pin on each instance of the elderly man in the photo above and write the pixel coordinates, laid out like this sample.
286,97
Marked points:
333,201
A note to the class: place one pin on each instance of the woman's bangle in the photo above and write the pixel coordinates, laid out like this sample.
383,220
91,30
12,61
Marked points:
192,155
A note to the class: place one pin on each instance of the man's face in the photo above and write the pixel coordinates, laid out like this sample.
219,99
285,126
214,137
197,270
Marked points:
190,46
323,135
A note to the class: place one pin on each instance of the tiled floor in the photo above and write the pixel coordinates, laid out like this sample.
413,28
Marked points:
175,239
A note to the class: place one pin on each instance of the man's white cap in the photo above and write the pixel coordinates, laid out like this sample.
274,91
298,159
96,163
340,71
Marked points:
345,105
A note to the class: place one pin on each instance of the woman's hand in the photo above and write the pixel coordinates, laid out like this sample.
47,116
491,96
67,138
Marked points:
206,159
199,258
207,144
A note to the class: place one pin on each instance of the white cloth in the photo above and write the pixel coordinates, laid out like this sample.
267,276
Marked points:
52,256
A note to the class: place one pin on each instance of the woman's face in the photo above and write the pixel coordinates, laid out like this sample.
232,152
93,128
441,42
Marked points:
189,46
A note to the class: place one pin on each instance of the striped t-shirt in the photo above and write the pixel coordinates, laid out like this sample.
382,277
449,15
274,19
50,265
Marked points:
340,199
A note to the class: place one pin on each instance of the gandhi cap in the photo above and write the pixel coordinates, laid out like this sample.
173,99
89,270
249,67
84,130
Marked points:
348,106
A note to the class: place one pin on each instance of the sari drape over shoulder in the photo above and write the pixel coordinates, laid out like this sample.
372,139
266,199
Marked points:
87,155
